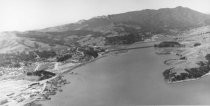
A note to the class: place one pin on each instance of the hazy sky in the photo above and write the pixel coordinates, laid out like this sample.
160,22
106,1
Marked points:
34,14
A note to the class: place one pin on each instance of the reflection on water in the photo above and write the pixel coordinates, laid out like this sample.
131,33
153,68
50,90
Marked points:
132,78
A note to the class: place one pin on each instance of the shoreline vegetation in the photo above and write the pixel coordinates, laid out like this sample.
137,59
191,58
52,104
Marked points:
186,80
166,44
188,75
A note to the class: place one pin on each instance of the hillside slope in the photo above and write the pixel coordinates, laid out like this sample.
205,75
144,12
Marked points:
116,29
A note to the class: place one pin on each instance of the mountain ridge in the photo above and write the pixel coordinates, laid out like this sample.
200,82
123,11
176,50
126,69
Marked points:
143,15
116,29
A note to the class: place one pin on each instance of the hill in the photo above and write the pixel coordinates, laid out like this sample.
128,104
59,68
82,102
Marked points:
116,29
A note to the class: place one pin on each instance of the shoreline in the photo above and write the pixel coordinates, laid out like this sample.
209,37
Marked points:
79,65
174,82
47,85
105,54
71,68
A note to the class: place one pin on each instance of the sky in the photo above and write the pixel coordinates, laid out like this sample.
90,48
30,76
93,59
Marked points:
22,15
